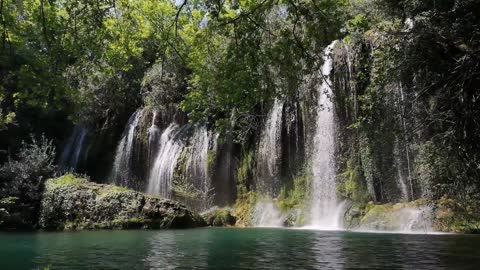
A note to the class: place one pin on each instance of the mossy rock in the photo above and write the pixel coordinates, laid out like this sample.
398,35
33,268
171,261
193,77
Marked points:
72,203
409,216
219,217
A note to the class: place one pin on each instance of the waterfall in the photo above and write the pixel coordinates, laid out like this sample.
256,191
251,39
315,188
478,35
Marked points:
73,149
326,212
401,183
269,151
267,214
154,133
197,162
161,174
122,167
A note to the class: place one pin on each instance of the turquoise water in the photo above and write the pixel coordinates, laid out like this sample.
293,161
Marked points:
233,248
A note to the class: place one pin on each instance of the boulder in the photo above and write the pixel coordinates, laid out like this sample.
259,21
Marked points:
219,217
71,203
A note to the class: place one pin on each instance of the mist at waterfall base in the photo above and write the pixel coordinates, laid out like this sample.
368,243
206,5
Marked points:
233,248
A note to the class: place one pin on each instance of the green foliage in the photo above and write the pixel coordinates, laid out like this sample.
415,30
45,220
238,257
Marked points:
296,197
244,207
245,172
223,63
185,190
351,184
24,176
454,216
239,62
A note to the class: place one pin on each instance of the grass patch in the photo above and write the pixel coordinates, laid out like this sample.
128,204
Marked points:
65,180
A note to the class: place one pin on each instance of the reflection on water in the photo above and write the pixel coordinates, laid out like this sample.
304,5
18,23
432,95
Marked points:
237,249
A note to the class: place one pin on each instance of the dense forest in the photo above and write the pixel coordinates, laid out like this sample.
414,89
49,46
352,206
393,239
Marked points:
405,81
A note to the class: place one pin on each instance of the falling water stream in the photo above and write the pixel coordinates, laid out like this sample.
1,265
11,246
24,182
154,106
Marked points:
197,162
73,149
161,174
154,133
326,211
122,165
269,151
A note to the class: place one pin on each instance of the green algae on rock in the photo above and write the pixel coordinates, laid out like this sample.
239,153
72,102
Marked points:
72,203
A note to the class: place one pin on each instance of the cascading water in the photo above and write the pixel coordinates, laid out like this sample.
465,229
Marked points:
269,151
73,149
402,185
197,162
326,211
121,171
154,134
161,174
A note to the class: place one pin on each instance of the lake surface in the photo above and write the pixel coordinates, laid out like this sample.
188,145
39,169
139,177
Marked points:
233,248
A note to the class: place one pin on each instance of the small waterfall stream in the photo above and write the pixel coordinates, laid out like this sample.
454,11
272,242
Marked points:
269,151
161,174
122,165
73,149
325,212
197,162
154,133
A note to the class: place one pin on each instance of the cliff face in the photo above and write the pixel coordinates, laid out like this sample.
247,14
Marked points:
390,142
71,203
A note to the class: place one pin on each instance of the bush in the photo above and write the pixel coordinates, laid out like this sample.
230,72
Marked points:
24,176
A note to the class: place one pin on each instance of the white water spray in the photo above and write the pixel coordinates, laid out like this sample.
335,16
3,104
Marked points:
400,219
266,214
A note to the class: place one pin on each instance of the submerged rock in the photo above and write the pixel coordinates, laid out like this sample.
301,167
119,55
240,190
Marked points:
71,203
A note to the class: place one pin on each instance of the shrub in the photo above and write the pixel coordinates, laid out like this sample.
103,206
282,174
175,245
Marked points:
23,176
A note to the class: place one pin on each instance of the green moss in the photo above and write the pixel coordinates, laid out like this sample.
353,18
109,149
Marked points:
182,188
211,157
297,196
351,185
65,180
219,217
111,189
245,172
243,208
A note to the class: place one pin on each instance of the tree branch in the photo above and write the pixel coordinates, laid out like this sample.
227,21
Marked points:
177,16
